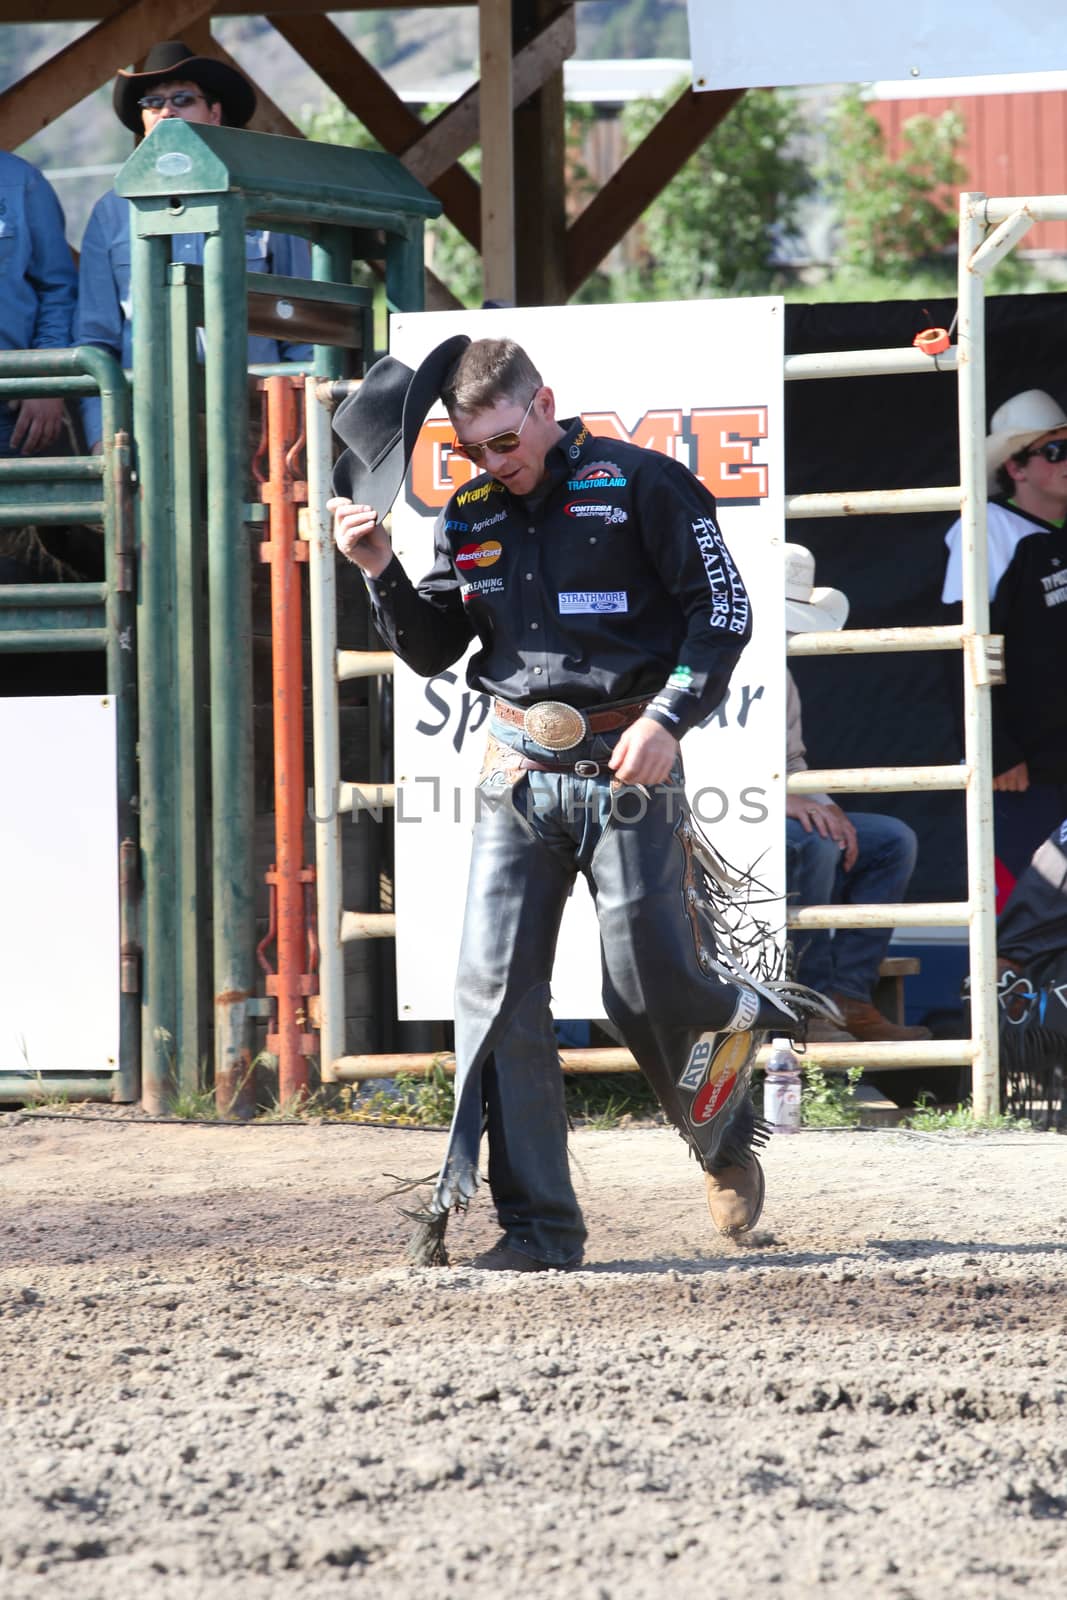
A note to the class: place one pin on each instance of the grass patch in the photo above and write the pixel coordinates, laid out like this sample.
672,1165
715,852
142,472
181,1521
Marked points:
404,1100
929,1118
827,1100
194,1105
594,1100
606,1100
42,1098
297,1108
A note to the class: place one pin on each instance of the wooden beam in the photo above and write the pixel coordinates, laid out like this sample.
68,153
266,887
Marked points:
94,10
331,54
540,170
65,80
270,118
267,117
642,176
453,133
497,135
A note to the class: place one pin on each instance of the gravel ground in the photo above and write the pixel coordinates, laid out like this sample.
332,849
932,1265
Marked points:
220,1381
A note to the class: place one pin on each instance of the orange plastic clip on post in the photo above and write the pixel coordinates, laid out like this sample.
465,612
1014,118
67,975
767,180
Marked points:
932,341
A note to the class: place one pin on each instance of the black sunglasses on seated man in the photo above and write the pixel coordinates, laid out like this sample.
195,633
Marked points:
1053,451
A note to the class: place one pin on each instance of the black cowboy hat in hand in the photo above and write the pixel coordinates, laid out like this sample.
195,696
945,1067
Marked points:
380,421
173,61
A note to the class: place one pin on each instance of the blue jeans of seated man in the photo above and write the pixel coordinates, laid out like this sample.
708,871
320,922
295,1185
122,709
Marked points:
846,960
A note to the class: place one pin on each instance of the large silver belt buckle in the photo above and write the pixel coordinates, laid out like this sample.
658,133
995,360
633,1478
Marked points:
554,726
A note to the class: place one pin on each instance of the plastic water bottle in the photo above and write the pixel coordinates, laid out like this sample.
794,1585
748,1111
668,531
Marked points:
781,1088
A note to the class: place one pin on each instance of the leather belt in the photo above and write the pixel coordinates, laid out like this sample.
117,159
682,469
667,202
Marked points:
595,721
581,769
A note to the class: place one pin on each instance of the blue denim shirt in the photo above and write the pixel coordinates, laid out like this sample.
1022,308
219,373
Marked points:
37,276
104,306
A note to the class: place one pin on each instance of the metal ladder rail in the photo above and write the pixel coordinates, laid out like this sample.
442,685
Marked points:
85,617
980,664
334,798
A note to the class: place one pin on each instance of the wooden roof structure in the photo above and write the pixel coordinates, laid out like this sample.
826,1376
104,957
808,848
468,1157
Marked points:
516,217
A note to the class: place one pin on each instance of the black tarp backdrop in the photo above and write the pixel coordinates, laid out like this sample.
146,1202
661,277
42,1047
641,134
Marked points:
897,433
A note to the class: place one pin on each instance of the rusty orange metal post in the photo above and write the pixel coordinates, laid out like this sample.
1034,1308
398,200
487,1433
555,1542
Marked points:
282,492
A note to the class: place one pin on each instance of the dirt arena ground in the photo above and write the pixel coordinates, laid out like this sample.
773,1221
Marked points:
219,1380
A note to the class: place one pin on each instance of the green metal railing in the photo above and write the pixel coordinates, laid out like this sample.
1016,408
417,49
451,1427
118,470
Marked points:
53,617
352,206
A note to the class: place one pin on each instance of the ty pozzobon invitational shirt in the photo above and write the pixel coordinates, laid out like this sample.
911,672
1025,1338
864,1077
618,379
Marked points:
611,583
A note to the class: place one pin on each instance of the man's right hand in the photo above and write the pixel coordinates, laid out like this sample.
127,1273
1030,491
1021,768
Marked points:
360,537
1016,780
38,424
816,816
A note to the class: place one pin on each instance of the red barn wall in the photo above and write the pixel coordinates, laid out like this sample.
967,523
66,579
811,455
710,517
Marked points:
1015,144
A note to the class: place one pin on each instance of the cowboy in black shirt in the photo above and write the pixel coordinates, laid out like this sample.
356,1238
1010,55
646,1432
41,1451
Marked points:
609,616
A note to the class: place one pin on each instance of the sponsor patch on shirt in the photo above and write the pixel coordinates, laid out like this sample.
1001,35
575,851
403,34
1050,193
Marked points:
598,475
596,508
487,522
681,678
480,492
485,554
479,586
573,602
729,602
452,526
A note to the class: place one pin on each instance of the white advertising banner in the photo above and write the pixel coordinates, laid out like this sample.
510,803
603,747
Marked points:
701,382
736,47
59,909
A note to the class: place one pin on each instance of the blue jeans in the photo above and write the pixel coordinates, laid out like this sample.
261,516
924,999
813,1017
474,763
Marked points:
534,833
846,960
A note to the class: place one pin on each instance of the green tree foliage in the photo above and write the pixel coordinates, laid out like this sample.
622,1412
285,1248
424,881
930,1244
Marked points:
447,253
631,29
333,123
376,36
895,215
712,231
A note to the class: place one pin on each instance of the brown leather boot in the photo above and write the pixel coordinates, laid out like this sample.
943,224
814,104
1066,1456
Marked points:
865,1022
822,1031
735,1197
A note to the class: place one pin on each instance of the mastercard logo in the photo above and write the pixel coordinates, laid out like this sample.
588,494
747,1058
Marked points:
479,555
727,1062
711,1098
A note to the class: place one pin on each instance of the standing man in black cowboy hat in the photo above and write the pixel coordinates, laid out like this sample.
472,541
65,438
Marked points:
609,626
173,83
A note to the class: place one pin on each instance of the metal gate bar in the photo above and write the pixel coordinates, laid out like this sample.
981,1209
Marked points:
46,617
981,660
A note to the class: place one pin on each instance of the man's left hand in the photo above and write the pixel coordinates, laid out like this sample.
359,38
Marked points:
37,426
645,753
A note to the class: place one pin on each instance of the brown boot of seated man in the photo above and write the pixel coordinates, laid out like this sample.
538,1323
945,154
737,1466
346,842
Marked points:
866,1023
823,1031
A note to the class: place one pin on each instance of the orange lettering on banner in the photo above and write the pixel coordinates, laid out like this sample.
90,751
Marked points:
657,430
437,470
724,438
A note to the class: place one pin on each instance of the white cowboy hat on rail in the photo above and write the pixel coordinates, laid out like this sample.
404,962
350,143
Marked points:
807,609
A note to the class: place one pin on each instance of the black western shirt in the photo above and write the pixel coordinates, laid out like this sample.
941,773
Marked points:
1028,605
610,583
